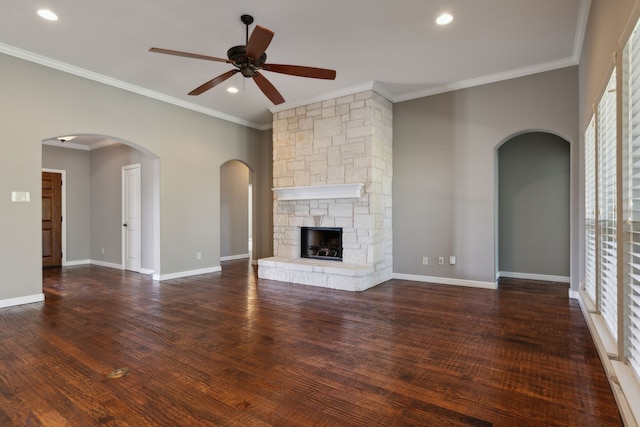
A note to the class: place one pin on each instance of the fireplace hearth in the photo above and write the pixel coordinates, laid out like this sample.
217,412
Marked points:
321,243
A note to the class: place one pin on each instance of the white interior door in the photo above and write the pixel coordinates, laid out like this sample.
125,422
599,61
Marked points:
131,217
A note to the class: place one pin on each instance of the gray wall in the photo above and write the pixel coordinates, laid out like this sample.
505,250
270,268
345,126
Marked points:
534,210
39,103
444,184
106,203
234,206
76,163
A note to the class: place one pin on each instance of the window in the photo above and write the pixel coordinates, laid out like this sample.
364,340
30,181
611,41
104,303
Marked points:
590,209
631,173
612,227
607,202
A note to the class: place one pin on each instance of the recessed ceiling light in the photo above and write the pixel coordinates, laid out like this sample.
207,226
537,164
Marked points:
444,19
48,15
232,89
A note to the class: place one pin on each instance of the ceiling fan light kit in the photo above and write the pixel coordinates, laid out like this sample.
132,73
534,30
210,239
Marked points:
249,60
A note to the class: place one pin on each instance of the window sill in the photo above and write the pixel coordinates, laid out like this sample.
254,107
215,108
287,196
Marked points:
628,394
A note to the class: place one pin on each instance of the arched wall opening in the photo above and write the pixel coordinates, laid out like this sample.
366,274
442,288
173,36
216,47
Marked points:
236,210
534,207
92,166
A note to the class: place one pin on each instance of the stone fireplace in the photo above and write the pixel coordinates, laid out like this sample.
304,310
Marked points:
332,168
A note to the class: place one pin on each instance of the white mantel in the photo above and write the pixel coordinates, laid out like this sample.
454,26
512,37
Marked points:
320,192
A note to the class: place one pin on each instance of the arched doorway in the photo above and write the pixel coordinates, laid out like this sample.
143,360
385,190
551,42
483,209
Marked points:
93,166
235,211
534,207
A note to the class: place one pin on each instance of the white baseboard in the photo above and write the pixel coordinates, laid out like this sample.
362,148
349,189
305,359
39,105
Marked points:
181,274
446,281
21,300
103,264
76,262
107,264
234,257
530,276
574,294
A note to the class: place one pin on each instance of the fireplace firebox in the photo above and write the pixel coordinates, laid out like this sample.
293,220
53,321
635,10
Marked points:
321,243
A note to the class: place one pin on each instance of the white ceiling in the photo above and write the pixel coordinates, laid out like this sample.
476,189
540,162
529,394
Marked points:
393,46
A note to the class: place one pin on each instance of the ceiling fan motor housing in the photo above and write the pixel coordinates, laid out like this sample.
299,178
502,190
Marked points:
238,54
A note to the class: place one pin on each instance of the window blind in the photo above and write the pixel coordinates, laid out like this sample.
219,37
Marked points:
607,194
631,173
590,209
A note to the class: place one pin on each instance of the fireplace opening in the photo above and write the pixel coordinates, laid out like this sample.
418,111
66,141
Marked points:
321,243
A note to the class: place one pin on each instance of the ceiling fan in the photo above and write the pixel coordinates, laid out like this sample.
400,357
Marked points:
249,60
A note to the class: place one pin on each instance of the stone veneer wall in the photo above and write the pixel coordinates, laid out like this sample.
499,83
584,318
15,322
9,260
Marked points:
342,140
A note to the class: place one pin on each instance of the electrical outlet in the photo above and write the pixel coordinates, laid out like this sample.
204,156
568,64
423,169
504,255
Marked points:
198,255
452,260
440,260
425,260
102,250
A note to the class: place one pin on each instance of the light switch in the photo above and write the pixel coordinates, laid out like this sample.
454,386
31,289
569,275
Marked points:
20,196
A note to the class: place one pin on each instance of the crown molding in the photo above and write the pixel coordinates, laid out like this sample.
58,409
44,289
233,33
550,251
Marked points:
581,28
81,72
94,146
324,97
492,78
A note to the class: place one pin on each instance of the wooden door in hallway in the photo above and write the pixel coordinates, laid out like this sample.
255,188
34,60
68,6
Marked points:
51,219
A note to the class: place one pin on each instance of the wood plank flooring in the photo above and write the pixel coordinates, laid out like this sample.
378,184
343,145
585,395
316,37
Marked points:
227,349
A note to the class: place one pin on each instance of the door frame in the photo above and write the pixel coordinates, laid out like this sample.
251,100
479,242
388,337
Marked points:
63,195
124,170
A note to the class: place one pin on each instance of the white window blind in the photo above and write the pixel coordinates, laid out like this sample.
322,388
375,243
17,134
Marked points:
590,209
631,173
606,137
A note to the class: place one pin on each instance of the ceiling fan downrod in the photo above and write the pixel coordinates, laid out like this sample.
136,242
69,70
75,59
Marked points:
247,20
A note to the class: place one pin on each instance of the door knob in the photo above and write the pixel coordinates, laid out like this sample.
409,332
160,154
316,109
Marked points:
124,225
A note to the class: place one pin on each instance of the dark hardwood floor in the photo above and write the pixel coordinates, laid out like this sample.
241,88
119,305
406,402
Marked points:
227,349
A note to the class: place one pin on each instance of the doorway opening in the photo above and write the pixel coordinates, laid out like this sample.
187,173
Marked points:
533,206
236,211
92,226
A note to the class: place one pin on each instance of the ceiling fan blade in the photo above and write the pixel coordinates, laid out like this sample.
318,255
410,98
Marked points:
268,89
297,70
213,82
258,42
188,55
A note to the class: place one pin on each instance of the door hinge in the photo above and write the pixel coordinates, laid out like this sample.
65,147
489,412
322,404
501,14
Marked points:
61,219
